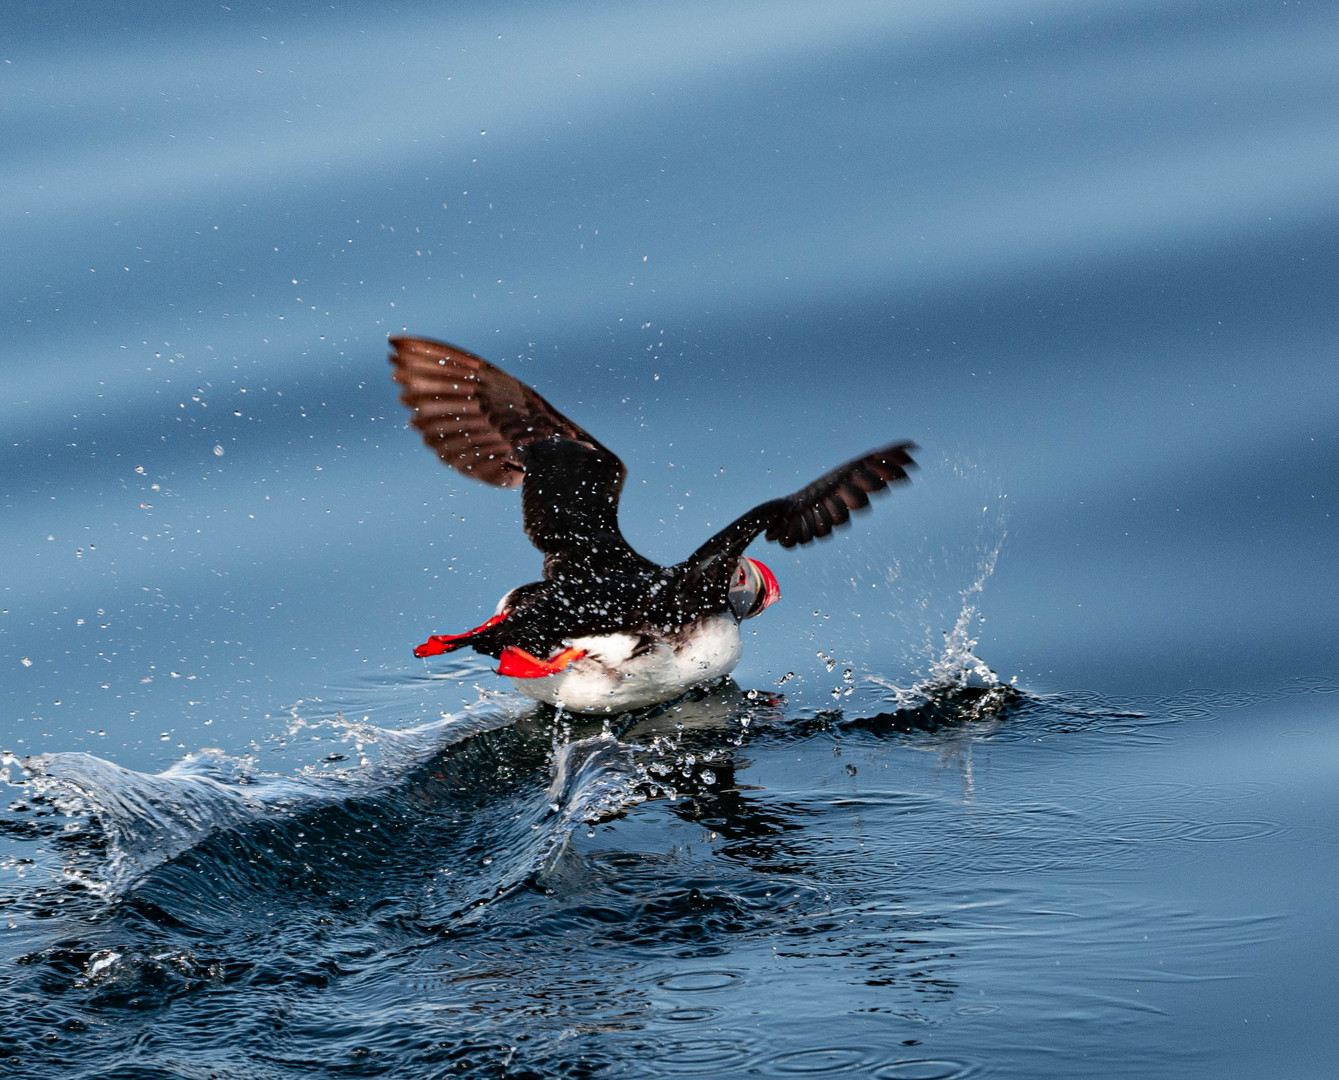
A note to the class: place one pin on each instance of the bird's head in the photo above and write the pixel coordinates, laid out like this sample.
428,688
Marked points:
752,589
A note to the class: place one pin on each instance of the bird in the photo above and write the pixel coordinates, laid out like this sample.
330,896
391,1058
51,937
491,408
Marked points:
605,630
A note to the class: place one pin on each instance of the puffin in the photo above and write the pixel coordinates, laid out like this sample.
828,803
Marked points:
605,630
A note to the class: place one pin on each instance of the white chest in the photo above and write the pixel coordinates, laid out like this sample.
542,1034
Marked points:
610,679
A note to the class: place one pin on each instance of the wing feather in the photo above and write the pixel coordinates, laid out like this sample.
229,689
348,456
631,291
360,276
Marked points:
488,425
474,416
812,512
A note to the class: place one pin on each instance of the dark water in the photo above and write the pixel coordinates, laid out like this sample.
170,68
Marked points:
1031,773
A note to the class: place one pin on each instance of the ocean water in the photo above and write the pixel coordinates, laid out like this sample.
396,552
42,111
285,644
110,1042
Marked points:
1032,771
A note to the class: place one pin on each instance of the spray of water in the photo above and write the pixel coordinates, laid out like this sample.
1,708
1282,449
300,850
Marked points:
951,668
148,819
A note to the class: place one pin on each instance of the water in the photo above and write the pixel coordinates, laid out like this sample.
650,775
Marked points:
1030,773
991,882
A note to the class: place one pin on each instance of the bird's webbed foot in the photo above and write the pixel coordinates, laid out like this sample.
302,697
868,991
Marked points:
444,643
520,664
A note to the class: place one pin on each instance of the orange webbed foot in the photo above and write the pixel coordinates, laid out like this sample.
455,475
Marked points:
443,643
520,664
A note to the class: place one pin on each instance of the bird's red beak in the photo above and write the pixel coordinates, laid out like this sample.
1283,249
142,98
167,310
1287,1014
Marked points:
770,584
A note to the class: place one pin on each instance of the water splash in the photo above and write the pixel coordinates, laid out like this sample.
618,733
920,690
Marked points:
955,670
149,819
448,778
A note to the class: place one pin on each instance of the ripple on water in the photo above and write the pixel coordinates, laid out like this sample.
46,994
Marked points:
1155,830
704,1055
976,1010
1310,684
821,1061
923,1069
1222,832
1182,792
697,981
1196,704
692,1016
1148,830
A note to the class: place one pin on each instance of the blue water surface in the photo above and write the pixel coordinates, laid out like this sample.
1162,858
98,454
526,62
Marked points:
1032,771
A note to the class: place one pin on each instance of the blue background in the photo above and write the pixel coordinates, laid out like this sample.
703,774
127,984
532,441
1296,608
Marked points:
1085,254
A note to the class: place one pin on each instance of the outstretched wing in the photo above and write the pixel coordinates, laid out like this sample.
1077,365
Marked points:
474,416
487,424
570,508
811,512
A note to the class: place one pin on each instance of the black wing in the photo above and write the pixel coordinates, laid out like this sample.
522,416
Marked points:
488,425
811,512
569,504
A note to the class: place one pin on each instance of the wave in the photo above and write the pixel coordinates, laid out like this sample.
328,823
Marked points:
148,819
